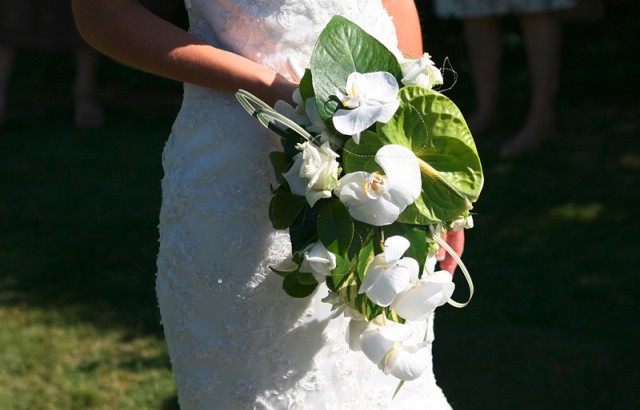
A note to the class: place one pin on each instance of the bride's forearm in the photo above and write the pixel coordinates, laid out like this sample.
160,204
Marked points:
407,23
130,34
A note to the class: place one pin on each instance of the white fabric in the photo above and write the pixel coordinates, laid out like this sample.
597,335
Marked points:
482,8
235,339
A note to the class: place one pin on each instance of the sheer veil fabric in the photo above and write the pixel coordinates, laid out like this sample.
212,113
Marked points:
236,341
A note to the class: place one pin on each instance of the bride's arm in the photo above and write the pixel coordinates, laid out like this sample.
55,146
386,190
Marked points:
127,32
407,23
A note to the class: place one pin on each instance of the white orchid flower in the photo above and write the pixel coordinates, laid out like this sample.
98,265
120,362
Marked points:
298,113
424,296
390,346
314,173
389,273
377,337
316,125
379,199
354,333
422,72
318,261
407,360
370,97
339,307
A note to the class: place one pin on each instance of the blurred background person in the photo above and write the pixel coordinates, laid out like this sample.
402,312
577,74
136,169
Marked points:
542,36
49,25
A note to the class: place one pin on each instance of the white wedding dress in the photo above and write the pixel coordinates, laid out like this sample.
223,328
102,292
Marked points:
236,340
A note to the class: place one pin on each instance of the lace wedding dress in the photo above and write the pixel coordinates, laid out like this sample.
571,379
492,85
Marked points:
236,341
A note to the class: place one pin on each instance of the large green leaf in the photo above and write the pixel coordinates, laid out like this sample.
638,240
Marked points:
306,85
281,163
285,208
433,127
335,226
294,288
303,229
344,48
361,157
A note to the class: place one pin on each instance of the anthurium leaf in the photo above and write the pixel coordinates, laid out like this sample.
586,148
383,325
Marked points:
361,157
343,48
294,288
433,127
335,226
418,213
285,208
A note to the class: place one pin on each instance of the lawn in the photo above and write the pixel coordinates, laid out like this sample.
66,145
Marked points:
554,254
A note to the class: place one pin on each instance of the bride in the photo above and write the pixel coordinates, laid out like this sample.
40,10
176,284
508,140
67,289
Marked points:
236,341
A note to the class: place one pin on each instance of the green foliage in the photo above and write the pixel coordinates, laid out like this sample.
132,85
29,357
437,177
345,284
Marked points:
335,226
285,208
344,48
433,127
299,285
361,157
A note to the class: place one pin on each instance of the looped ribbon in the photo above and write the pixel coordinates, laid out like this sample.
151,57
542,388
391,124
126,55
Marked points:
463,268
269,117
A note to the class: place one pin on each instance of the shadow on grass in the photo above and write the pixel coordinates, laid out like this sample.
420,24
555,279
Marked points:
79,208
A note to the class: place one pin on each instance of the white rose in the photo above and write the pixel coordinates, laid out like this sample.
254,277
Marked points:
314,173
318,261
421,72
321,169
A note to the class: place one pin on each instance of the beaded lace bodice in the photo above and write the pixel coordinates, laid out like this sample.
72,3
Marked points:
235,339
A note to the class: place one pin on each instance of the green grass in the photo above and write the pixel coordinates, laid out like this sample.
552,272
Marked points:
554,254
79,327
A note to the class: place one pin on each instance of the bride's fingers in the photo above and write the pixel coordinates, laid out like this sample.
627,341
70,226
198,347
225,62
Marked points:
455,239
441,252
296,71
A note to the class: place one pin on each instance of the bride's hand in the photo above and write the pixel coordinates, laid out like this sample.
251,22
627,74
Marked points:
281,89
455,239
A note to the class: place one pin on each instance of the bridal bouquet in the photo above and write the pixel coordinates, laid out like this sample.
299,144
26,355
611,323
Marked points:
375,165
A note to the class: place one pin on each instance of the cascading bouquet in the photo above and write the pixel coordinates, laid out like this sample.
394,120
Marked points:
375,165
